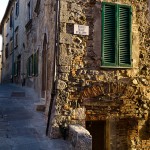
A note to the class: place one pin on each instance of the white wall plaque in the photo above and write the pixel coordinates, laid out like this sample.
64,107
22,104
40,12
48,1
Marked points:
81,29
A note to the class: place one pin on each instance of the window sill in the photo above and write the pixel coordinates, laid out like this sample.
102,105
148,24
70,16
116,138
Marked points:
115,67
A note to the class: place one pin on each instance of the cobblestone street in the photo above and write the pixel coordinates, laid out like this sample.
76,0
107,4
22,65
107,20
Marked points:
21,126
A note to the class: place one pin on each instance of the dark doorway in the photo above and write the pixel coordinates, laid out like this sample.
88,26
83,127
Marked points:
44,68
97,130
18,66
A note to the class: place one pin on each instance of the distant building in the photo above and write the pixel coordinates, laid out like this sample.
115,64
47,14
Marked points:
89,63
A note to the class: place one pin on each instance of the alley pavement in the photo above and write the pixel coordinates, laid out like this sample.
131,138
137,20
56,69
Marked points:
21,126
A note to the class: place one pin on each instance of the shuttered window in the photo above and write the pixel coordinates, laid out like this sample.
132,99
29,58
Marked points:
116,35
15,68
36,63
32,65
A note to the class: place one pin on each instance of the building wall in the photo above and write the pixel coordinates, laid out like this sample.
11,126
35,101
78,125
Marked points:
42,30
77,88
88,92
8,35
30,40
0,66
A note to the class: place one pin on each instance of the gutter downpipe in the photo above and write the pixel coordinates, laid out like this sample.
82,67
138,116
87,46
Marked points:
53,93
13,40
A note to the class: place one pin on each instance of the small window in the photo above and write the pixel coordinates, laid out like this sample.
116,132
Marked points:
15,68
17,8
11,19
30,66
29,11
116,35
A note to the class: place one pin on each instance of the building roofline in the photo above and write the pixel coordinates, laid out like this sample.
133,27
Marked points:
6,14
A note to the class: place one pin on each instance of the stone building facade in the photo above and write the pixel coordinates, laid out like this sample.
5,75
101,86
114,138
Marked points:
28,44
93,66
108,97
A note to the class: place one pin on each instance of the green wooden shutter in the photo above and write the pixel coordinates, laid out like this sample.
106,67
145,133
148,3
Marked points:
36,64
16,69
124,46
108,35
32,63
28,67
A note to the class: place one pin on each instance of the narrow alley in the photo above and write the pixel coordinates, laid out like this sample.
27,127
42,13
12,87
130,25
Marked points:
21,126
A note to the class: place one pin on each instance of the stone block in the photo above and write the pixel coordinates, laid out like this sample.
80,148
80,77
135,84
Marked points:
79,113
61,85
65,38
63,6
63,76
64,60
80,138
40,107
64,69
64,17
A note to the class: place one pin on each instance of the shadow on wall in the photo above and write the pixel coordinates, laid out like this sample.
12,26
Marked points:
144,132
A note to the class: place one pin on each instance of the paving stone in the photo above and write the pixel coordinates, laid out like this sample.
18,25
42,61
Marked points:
5,147
33,146
21,126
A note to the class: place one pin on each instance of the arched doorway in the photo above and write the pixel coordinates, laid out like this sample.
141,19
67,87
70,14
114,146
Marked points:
44,68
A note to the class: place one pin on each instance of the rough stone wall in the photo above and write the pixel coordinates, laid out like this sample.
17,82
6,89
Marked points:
103,93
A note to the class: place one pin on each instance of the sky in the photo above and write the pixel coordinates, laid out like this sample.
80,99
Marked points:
3,5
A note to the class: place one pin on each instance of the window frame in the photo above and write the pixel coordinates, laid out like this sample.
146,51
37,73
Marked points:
117,64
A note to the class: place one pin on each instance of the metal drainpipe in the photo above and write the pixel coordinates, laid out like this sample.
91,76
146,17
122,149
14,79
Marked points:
13,40
53,93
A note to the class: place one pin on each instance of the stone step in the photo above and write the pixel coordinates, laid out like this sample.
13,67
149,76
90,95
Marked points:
40,106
